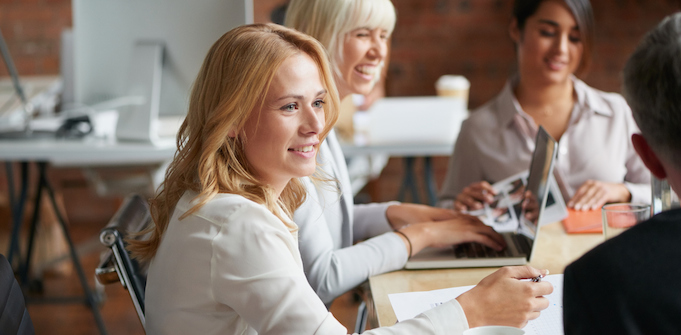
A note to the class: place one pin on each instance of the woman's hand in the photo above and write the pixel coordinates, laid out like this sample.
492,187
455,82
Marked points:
406,214
503,299
593,194
474,195
461,229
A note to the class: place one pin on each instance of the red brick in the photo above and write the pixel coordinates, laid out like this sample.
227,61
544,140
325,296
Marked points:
50,65
432,37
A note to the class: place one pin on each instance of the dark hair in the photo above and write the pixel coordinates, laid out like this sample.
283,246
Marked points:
581,10
652,87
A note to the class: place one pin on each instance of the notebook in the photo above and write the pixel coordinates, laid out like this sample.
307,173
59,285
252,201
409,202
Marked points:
520,242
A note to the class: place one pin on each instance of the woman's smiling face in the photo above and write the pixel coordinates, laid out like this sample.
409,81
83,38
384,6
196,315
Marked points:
550,45
364,51
282,137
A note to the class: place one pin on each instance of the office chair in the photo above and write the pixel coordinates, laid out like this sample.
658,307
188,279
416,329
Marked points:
14,318
117,266
362,314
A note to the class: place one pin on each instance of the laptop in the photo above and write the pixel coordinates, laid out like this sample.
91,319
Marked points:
521,241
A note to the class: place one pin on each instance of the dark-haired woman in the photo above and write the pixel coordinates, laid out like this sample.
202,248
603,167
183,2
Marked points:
596,161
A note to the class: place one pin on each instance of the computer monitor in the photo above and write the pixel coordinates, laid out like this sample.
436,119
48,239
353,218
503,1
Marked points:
145,54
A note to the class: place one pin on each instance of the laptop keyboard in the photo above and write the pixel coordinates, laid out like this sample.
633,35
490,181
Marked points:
477,250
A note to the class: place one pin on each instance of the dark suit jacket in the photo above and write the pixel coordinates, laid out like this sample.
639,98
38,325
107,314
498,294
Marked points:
630,284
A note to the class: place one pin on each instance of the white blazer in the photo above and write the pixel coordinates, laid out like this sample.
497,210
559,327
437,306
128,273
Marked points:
330,224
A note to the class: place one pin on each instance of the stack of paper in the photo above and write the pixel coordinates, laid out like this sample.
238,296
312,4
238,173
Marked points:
410,304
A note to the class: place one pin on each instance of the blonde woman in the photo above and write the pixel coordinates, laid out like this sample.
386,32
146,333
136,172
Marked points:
224,251
355,34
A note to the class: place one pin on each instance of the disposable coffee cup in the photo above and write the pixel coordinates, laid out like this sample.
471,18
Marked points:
453,86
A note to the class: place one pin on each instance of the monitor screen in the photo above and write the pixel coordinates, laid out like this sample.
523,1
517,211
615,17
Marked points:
105,32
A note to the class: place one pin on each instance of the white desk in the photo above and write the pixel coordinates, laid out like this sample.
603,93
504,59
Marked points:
410,127
399,150
43,151
85,152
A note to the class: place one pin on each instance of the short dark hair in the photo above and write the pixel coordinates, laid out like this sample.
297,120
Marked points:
652,87
581,10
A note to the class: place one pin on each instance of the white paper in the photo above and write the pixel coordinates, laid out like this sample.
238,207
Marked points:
501,215
410,304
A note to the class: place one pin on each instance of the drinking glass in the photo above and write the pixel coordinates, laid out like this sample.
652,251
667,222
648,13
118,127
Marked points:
619,217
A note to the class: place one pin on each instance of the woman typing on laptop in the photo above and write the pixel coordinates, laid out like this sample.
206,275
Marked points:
596,161
355,34
224,250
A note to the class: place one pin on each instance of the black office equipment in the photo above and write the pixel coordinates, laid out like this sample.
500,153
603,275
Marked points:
14,318
117,266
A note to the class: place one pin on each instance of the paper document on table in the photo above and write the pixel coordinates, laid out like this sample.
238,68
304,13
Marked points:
502,213
410,304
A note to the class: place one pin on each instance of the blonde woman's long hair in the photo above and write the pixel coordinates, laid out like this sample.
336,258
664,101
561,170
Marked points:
232,83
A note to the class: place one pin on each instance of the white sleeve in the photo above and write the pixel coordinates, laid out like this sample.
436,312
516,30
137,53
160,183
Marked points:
370,220
330,271
448,318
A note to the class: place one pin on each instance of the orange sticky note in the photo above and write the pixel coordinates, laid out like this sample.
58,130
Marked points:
583,221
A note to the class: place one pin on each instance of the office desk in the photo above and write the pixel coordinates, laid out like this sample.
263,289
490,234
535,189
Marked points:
85,152
399,150
411,128
555,250
409,153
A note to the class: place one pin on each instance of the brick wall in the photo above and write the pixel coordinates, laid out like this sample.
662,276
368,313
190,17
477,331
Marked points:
433,37
32,29
470,37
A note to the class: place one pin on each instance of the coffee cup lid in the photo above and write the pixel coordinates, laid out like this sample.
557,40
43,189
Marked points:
455,82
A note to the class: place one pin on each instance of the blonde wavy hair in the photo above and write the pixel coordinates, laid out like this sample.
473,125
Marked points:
230,86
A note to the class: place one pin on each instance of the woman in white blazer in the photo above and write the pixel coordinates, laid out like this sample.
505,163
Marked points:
223,248
355,34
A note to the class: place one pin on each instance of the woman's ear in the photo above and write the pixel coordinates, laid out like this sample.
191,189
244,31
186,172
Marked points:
514,31
231,133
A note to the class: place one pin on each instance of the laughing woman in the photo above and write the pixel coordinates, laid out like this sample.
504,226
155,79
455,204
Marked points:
342,244
224,251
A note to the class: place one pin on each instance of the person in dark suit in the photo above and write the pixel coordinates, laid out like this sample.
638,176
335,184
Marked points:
628,285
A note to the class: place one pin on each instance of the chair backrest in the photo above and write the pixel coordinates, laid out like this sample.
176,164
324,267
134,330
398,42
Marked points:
14,318
132,217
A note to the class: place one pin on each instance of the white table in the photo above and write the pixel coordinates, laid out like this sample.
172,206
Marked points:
85,152
410,127
399,150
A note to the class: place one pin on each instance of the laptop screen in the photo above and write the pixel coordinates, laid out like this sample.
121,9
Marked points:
536,192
